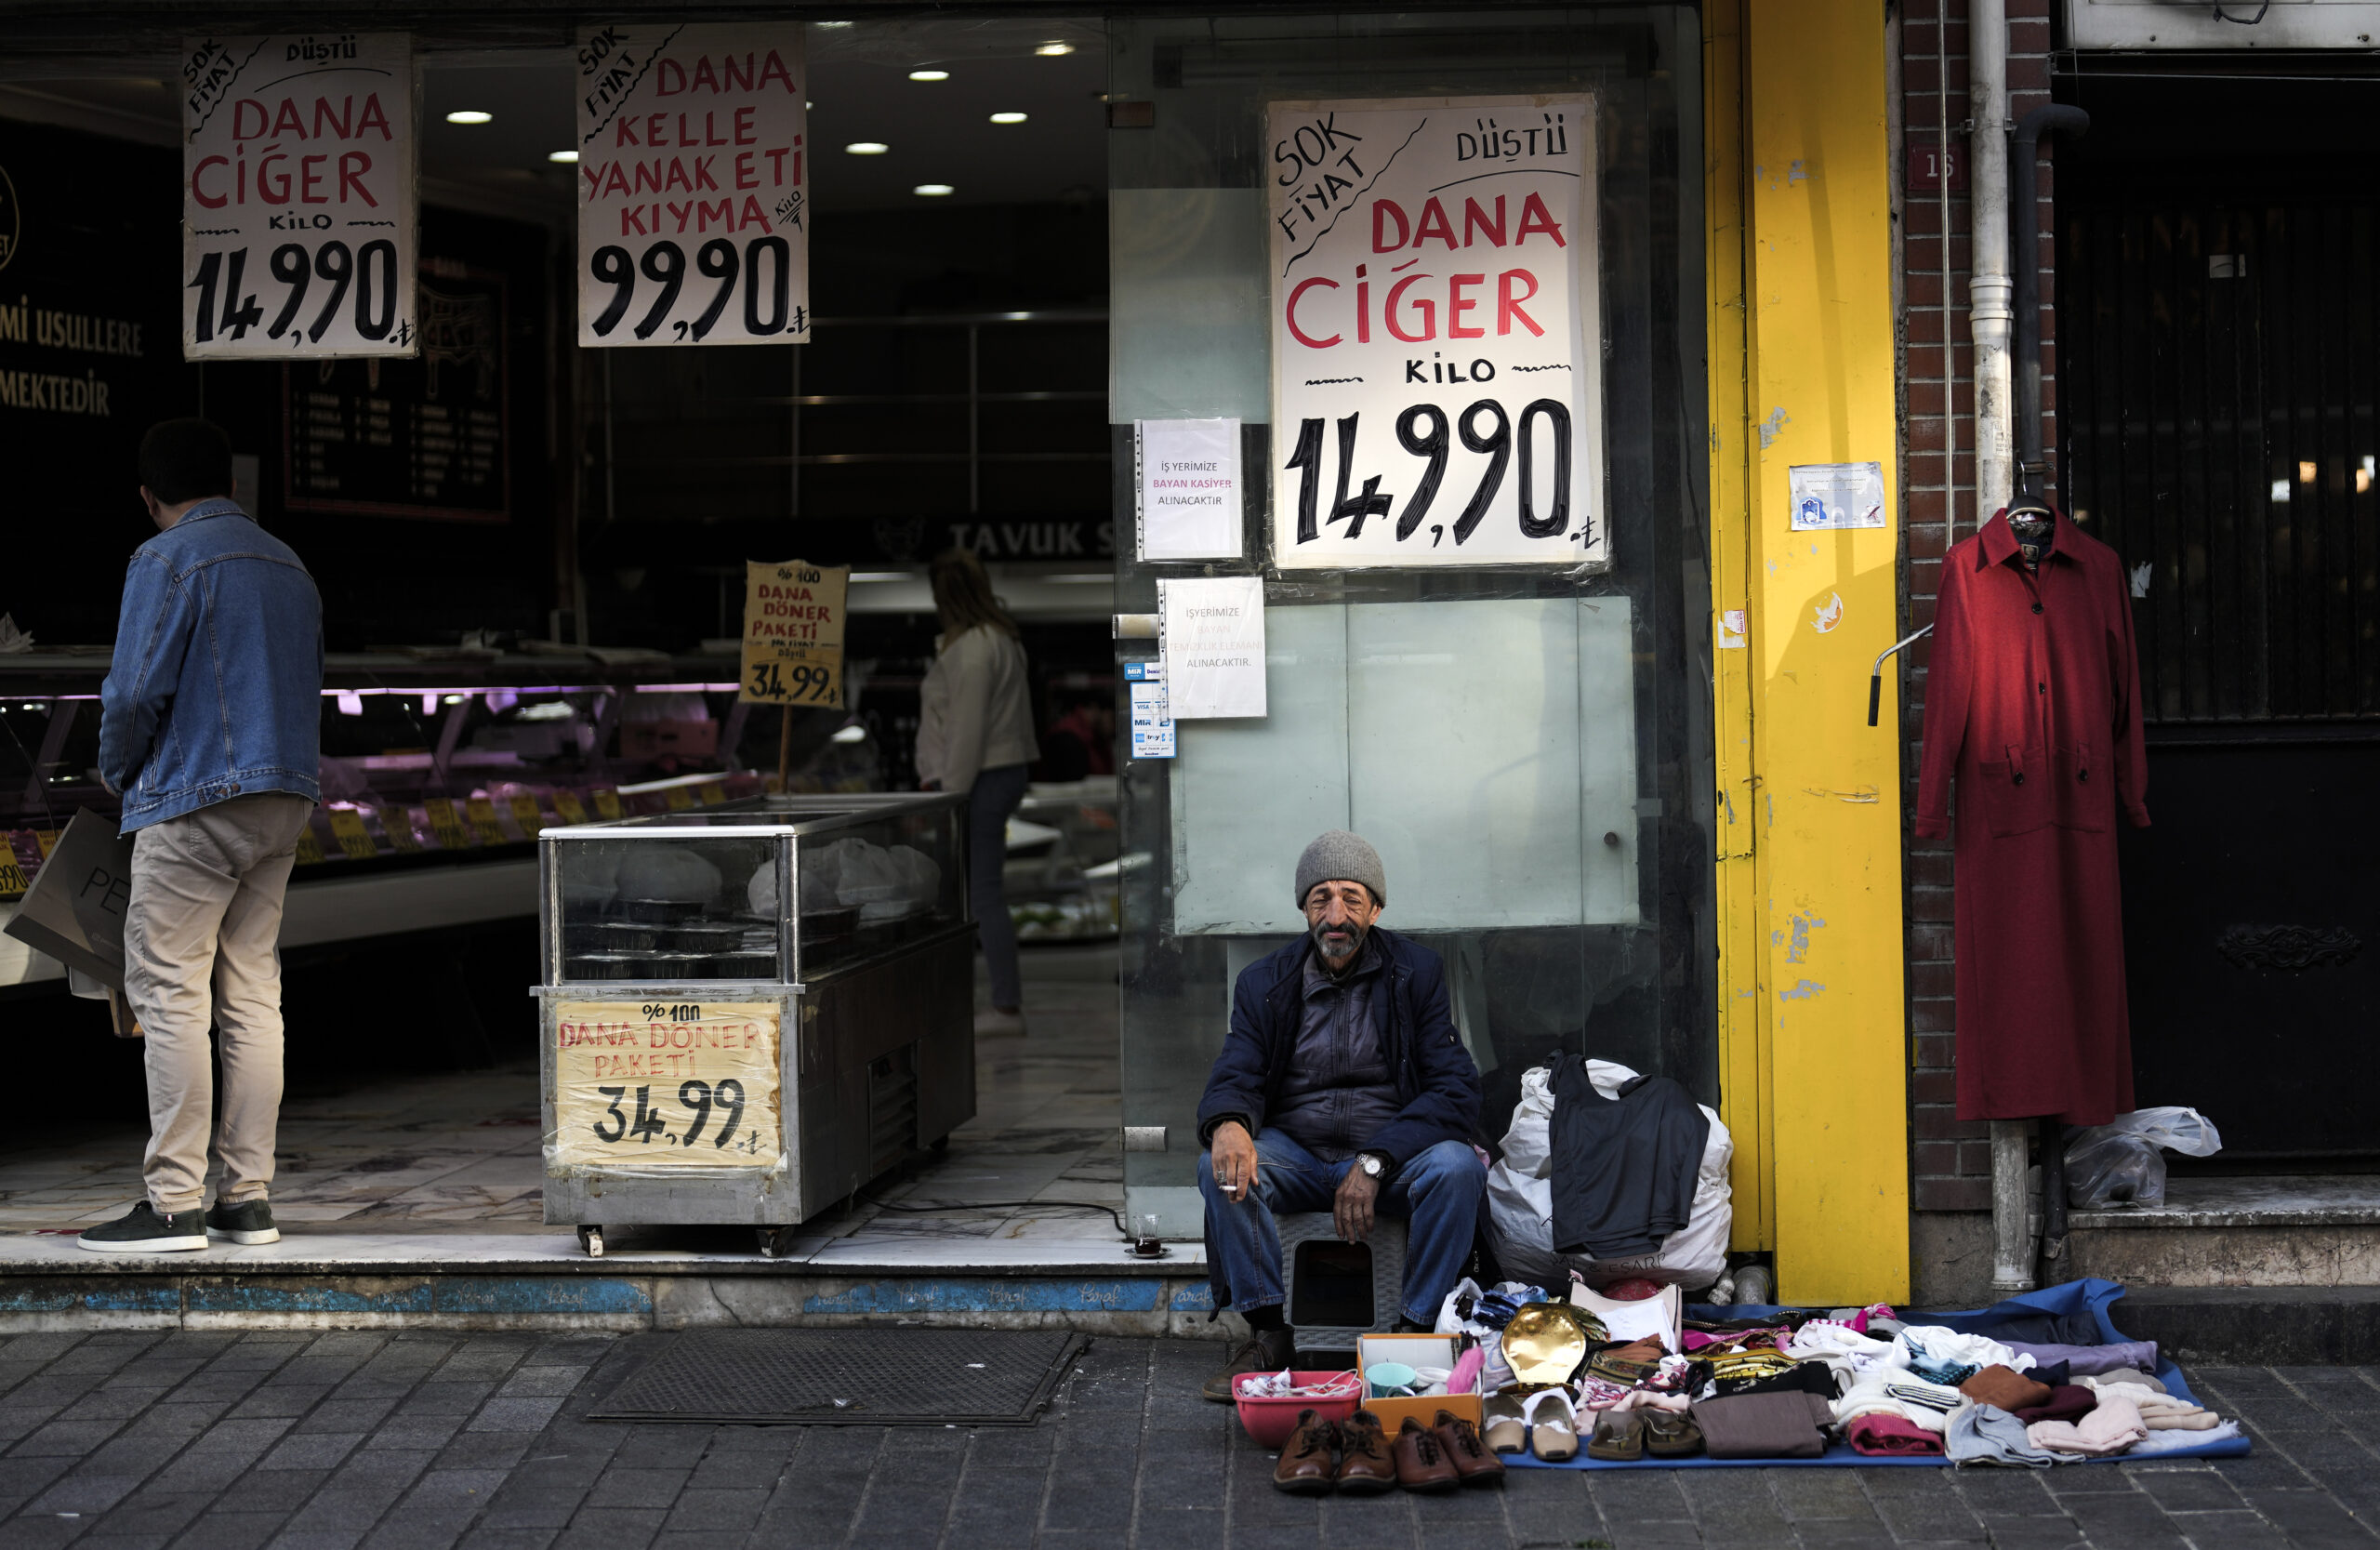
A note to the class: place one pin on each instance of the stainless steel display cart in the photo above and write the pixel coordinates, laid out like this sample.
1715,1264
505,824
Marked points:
749,1011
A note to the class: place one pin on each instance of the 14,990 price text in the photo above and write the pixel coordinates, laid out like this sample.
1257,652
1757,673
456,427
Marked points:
367,275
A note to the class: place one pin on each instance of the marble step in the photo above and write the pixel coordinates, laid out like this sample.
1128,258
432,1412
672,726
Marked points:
2300,1231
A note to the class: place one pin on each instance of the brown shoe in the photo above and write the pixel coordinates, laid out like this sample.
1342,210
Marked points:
1364,1467
1459,1439
1267,1351
1422,1465
1310,1459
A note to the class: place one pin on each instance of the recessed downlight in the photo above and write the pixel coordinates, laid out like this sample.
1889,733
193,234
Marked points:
1053,51
563,156
868,148
933,191
929,75
1008,118
469,116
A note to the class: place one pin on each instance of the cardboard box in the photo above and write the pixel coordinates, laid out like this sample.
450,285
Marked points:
1415,1350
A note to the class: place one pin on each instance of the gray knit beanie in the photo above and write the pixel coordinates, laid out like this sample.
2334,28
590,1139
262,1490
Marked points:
1340,856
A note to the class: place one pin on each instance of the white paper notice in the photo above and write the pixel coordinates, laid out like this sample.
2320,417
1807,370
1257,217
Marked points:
692,206
1837,495
1189,489
1152,720
1437,347
297,196
1211,635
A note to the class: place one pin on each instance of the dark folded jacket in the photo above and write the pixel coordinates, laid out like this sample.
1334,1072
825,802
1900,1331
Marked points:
1763,1426
1624,1168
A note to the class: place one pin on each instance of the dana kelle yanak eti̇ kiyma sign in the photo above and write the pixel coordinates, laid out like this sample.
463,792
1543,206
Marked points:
793,634
693,204
298,196
1437,390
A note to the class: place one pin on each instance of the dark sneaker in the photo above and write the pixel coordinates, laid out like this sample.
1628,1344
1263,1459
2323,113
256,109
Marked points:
144,1230
249,1221
1267,1351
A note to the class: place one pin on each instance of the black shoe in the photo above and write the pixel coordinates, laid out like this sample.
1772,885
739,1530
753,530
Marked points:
145,1230
249,1221
1269,1351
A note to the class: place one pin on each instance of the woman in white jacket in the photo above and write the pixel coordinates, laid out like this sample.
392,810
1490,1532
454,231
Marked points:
976,735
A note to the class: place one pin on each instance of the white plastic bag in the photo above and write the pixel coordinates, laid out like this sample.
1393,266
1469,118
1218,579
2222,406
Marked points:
1520,1200
2119,1164
2176,1129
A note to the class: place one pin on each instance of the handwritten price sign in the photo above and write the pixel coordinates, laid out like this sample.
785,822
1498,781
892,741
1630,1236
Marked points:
793,634
682,1085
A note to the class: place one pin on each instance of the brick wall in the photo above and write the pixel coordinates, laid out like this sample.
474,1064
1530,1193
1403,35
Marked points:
1952,1162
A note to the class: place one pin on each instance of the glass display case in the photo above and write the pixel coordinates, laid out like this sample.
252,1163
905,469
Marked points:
751,1010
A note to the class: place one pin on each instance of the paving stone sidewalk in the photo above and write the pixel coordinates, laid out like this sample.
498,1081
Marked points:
414,1440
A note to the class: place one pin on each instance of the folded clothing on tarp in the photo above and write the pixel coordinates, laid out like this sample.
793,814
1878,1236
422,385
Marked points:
1762,1426
1880,1434
2084,1361
1987,1434
2112,1427
2008,1389
2065,1402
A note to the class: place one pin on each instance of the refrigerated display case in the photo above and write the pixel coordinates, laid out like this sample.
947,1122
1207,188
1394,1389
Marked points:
1059,881
746,1012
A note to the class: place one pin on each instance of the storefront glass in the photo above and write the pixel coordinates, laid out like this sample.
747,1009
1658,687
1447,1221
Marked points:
1527,747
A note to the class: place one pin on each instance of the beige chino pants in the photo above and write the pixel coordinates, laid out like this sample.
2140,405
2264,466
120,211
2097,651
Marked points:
202,948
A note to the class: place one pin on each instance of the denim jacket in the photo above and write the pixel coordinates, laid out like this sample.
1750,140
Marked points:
216,688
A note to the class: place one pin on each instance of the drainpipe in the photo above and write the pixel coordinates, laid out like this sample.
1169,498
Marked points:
2032,468
2012,1243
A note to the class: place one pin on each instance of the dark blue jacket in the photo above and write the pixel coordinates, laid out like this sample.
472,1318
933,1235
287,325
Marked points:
1435,1081
216,688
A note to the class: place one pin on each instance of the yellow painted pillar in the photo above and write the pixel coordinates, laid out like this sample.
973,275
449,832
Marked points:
1807,174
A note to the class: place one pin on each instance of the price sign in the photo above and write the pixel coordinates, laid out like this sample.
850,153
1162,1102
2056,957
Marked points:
692,203
525,813
12,876
1437,338
347,828
397,824
641,1085
678,798
482,813
713,793
568,809
793,634
447,825
607,803
297,196
310,849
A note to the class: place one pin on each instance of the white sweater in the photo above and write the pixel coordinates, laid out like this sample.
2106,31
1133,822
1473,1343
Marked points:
976,714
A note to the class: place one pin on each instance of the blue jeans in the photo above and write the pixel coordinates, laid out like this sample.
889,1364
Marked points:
993,796
1439,1193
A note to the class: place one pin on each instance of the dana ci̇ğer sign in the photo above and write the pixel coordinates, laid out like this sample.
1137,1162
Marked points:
298,196
1438,395
693,204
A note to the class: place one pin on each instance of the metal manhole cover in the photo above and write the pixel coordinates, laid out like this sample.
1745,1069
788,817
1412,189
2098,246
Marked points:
818,1377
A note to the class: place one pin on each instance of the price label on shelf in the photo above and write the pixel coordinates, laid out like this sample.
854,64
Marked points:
347,828
397,824
678,799
12,877
713,793
310,849
676,1085
482,813
567,807
447,825
607,803
525,813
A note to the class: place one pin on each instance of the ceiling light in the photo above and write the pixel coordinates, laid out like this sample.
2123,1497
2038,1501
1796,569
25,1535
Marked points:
831,24
868,148
1051,50
563,156
933,191
1008,118
469,116
929,75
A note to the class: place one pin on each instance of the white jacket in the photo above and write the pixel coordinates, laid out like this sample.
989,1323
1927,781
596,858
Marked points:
975,712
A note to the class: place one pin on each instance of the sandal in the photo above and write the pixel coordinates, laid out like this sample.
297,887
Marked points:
1670,1435
1619,1436
1501,1424
1552,1425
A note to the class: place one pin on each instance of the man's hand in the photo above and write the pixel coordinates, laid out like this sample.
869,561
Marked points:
1233,1151
1351,1209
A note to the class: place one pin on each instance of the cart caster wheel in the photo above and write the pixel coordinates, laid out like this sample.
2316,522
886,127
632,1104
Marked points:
941,1144
591,1240
776,1242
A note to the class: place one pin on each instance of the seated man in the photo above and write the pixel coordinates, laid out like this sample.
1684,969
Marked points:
1342,1086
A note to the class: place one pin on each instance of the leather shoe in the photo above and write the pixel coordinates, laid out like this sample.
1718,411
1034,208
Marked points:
1422,1465
1364,1467
1309,1463
1459,1439
1265,1351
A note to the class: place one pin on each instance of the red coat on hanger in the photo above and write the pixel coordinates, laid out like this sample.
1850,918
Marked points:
2032,701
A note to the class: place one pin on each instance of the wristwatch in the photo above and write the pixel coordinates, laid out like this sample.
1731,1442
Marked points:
1373,1164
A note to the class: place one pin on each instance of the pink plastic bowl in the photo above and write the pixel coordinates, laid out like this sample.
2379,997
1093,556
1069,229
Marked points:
1270,1422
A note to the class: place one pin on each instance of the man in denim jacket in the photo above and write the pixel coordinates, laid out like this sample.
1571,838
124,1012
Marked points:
210,730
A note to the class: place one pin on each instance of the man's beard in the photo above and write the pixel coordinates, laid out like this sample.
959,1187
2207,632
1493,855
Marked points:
1350,941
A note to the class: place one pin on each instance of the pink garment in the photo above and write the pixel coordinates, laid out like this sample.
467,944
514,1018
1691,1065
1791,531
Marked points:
1594,1393
2112,1429
1873,1310
1882,1433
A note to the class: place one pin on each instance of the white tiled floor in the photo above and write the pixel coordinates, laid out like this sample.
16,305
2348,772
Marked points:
458,1156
